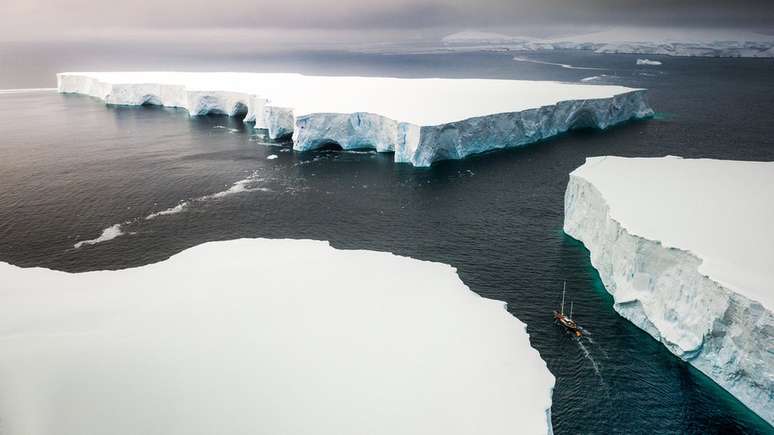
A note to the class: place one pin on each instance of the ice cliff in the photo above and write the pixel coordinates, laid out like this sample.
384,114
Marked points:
420,120
686,249
264,336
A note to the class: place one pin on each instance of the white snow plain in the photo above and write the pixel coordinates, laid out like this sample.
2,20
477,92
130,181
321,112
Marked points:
635,40
685,246
264,336
420,120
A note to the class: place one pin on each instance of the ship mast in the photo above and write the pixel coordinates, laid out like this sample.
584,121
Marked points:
563,290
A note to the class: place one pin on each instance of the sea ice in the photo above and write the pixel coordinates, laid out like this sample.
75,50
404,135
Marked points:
249,184
108,233
685,248
563,65
264,336
180,207
420,120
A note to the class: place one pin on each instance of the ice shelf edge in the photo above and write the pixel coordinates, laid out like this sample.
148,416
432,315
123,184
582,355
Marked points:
418,145
660,289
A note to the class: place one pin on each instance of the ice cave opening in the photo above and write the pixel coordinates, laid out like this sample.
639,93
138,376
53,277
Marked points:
151,100
329,145
239,111
584,120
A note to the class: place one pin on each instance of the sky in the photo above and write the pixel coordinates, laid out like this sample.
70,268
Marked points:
343,19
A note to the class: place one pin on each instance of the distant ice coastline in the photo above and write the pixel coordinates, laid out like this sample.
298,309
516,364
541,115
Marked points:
652,41
264,336
420,120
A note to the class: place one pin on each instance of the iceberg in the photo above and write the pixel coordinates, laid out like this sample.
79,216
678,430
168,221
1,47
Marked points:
684,246
648,62
264,336
420,120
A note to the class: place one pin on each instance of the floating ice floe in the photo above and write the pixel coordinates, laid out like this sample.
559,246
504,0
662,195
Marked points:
420,120
264,336
648,62
563,65
599,77
180,207
249,184
686,248
108,233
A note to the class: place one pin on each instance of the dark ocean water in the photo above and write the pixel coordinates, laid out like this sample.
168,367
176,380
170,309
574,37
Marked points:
71,166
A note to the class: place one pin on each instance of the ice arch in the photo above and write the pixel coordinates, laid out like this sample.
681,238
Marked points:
239,110
584,119
150,100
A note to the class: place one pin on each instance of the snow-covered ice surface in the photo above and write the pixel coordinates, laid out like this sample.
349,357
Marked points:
686,249
637,40
420,120
264,336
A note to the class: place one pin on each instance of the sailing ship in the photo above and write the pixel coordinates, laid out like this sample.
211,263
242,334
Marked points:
565,320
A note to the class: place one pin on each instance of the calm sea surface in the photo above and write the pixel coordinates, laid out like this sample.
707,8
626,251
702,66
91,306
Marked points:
70,167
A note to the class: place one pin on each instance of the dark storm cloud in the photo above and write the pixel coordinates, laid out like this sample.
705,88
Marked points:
52,17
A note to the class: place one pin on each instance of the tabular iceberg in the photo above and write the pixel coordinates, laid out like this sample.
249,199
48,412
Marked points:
685,248
420,120
264,336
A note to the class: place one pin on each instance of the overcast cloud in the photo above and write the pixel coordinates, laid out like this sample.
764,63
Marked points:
54,19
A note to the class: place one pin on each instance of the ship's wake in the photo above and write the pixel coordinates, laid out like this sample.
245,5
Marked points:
587,354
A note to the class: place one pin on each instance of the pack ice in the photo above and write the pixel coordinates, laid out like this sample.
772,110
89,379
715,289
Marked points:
686,249
258,336
420,120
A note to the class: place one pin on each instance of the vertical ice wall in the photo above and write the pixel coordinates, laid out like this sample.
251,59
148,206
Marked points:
661,289
415,142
